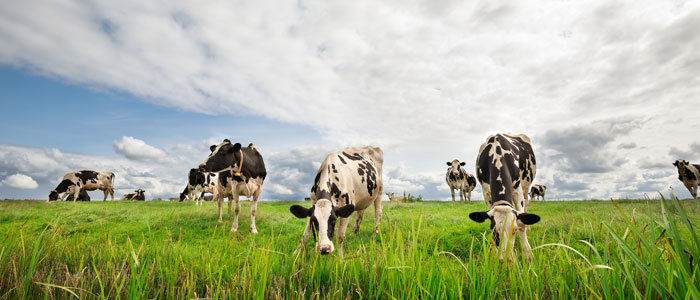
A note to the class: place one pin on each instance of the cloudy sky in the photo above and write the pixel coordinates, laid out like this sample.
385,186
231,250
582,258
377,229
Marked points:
609,91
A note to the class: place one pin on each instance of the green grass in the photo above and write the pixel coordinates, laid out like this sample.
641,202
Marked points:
426,250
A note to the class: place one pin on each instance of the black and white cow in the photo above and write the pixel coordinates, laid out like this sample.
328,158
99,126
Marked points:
348,180
505,167
137,195
689,174
74,182
458,179
82,196
198,183
248,174
537,190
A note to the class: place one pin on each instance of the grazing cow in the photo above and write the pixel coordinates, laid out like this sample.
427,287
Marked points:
458,179
199,183
394,197
74,182
247,175
537,190
348,180
689,175
82,196
505,167
137,195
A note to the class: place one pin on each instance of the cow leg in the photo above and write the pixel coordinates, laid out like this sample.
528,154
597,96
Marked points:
358,221
341,233
377,212
111,193
76,193
469,195
453,194
234,192
106,192
695,191
253,211
229,206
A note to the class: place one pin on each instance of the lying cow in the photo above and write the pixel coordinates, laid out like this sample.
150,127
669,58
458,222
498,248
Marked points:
689,175
247,175
506,168
458,179
74,182
82,196
348,180
394,197
137,195
537,190
199,183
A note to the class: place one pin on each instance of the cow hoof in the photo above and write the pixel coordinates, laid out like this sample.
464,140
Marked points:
234,229
253,231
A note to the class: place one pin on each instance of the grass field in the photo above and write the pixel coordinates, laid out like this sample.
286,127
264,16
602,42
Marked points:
427,250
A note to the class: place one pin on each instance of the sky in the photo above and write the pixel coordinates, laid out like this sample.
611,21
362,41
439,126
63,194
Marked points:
607,90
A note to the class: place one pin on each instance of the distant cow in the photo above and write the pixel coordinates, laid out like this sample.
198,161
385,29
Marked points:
199,183
82,196
348,180
394,197
689,175
458,179
537,190
505,167
74,182
248,174
137,195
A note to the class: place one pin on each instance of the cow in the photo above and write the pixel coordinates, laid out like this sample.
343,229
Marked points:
74,182
505,168
348,180
394,197
247,175
689,174
458,179
537,190
82,196
137,195
199,183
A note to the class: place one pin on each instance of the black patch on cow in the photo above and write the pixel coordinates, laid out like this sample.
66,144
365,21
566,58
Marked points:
342,160
471,181
230,156
184,193
63,186
354,156
86,176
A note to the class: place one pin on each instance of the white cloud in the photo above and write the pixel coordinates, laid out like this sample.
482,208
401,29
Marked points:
425,80
136,149
20,181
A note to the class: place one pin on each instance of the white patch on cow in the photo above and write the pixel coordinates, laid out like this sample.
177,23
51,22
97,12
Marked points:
322,212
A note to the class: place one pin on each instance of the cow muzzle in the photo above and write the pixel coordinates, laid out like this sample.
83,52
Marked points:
325,249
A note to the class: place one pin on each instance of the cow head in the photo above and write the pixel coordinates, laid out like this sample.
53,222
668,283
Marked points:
53,196
222,156
323,215
503,224
455,166
390,195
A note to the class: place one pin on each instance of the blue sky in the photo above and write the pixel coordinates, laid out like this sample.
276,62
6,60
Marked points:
603,89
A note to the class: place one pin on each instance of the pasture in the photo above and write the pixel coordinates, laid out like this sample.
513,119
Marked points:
426,250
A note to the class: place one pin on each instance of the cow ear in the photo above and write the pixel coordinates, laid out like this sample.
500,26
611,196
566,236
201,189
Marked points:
236,147
685,162
449,163
463,164
300,211
528,219
675,163
345,211
479,216
212,147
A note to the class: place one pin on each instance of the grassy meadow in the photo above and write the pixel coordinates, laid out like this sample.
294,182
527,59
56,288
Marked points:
624,249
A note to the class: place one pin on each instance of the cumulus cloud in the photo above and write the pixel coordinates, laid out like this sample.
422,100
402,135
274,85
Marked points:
425,80
20,181
133,148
